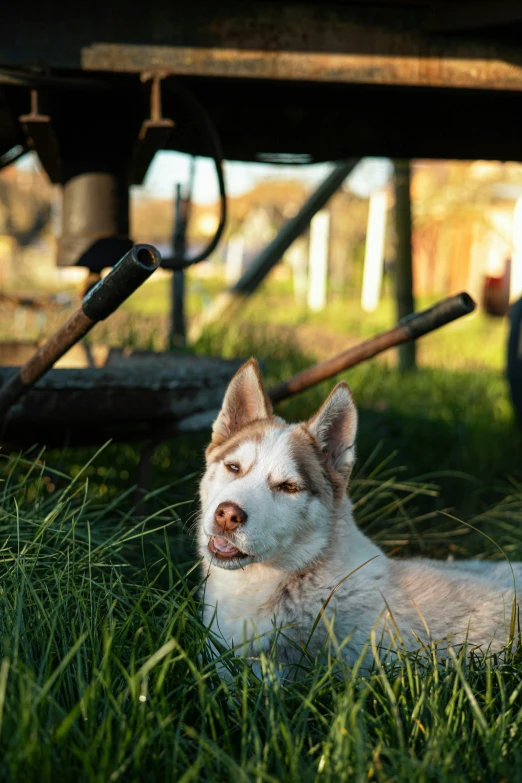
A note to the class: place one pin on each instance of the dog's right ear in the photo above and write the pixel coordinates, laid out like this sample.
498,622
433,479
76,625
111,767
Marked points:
334,426
245,401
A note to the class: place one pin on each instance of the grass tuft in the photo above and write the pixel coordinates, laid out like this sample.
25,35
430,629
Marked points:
105,675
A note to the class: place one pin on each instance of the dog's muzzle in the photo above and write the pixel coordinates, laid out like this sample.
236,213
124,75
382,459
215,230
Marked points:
228,517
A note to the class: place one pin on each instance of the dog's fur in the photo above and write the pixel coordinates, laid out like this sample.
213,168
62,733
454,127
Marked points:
301,555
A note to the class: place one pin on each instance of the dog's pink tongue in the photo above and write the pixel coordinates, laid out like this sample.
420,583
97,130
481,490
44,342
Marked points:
223,546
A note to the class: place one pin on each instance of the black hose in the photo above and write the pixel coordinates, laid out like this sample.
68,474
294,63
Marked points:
216,153
19,78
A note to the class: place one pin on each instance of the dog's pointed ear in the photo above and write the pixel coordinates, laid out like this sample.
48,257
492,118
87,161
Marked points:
245,401
334,426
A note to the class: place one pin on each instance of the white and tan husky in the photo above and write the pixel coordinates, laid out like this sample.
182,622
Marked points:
281,547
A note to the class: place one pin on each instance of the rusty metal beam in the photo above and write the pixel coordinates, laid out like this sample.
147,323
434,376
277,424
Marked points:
275,77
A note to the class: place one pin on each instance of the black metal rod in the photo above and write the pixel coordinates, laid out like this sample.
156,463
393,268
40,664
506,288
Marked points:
273,252
125,277
178,332
440,314
233,298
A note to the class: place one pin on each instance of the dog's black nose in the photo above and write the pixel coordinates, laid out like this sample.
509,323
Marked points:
228,516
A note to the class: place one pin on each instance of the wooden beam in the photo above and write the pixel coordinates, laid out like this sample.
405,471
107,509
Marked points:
403,257
430,70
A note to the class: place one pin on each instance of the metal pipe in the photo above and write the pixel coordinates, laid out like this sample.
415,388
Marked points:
125,277
226,303
409,328
273,252
178,331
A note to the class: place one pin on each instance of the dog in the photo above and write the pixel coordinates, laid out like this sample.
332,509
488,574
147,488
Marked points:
286,568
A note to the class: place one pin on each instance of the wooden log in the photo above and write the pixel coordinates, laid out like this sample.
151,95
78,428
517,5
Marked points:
131,398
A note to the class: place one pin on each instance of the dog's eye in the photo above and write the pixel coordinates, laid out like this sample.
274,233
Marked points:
233,467
288,487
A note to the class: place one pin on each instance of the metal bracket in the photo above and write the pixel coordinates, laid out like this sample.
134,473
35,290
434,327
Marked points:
42,138
153,134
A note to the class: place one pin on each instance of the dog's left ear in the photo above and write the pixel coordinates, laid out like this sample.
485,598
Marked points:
334,427
245,401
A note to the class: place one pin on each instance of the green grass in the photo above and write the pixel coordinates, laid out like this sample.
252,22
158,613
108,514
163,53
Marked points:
104,674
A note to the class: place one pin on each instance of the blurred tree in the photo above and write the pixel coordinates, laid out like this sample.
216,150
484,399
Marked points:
25,204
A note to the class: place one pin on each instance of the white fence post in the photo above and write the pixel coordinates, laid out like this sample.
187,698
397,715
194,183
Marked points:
515,289
318,260
234,259
374,255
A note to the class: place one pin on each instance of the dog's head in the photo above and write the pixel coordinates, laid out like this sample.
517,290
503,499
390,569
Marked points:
271,490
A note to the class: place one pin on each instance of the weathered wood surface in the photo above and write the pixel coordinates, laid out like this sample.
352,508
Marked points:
410,62
128,399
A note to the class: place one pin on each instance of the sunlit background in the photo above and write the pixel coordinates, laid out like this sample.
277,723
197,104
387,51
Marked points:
467,234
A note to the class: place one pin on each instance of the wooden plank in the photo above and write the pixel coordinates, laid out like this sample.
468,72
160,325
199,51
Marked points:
443,68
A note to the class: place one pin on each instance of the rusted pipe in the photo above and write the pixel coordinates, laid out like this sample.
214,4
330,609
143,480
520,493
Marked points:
125,277
409,328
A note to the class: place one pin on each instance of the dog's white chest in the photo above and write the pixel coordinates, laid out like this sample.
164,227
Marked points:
240,605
